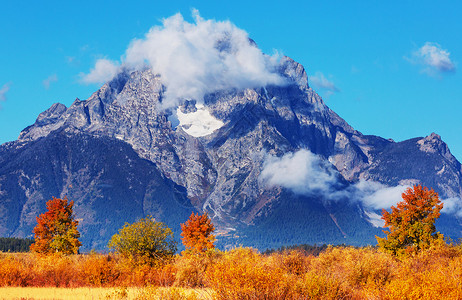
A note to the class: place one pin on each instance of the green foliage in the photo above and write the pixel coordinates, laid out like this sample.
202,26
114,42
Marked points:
412,222
144,242
15,244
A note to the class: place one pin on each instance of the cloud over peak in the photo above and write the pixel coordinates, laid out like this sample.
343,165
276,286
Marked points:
194,59
434,58
103,71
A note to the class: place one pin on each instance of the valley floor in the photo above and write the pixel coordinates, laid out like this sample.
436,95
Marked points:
240,273
95,293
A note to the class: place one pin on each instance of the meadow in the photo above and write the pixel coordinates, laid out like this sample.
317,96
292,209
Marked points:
240,273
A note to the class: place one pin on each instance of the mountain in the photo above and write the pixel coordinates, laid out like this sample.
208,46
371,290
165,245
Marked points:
121,155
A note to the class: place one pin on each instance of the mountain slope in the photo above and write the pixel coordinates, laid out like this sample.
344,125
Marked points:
107,180
209,155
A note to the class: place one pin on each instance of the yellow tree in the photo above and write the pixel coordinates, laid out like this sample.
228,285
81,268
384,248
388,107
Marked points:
197,233
144,242
412,222
56,229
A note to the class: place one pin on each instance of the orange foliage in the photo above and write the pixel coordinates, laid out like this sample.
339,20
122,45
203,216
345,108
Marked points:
56,229
412,222
197,233
243,273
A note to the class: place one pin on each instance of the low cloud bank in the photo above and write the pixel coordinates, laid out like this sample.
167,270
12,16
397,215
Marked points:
302,172
194,59
306,173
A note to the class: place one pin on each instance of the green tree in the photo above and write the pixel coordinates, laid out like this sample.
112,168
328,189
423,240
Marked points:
56,229
144,242
412,222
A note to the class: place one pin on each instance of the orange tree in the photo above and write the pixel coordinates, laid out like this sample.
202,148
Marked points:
56,229
412,222
197,233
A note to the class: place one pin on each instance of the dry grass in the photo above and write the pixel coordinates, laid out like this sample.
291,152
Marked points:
241,273
39,293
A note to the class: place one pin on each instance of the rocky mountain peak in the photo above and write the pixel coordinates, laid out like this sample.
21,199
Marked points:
52,114
434,144
211,152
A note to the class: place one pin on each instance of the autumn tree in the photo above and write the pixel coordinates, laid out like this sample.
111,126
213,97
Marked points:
412,222
144,242
56,229
197,233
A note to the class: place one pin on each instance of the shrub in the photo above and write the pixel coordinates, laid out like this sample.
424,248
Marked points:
192,266
242,273
99,270
145,242
14,272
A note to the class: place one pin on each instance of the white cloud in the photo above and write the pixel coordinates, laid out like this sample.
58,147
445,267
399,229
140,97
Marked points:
5,88
375,195
302,172
434,58
306,173
196,58
52,78
319,81
452,206
103,71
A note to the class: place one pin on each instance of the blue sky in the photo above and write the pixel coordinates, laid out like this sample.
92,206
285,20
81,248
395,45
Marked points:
389,68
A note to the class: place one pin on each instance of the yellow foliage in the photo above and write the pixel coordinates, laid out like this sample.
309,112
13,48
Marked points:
192,266
244,273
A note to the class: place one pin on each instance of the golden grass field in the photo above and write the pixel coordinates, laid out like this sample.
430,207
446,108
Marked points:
241,273
84,293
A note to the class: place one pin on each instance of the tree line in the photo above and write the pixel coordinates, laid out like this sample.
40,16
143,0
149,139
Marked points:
12,244
411,228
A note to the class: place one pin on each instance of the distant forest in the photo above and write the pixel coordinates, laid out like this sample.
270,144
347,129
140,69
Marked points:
15,244
308,249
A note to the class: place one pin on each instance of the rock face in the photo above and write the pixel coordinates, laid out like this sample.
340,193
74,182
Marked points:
120,156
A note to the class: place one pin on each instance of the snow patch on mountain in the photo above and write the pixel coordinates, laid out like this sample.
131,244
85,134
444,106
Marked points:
198,123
